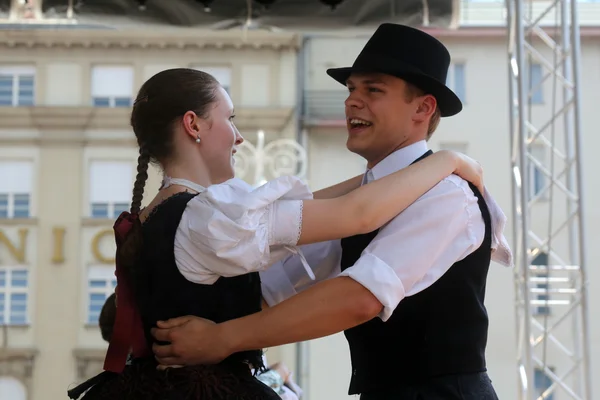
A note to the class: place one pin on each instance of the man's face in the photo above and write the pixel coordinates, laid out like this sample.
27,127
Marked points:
379,116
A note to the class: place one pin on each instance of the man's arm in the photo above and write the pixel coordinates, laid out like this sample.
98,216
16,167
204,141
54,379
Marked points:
324,309
263,304
408,254
339,189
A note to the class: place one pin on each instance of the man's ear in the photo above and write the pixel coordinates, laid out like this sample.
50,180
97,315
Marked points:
425,109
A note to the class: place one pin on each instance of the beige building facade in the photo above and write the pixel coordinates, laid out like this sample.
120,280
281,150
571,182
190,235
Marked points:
68,158
67,165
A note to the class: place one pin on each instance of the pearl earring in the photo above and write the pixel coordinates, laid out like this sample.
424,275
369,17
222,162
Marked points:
198,139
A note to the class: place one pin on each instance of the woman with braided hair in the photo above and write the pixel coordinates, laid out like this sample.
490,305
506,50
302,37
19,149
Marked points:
199,245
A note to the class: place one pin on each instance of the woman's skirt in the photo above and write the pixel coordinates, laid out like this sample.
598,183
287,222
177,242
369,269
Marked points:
142,381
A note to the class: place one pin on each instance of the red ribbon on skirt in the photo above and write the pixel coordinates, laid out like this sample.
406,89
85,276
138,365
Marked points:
128,331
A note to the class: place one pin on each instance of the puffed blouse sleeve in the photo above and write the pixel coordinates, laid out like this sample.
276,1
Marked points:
232,228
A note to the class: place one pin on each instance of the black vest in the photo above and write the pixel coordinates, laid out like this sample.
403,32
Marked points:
163,293
441,330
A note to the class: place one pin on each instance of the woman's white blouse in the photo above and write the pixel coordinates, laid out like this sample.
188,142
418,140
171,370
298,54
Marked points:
231,228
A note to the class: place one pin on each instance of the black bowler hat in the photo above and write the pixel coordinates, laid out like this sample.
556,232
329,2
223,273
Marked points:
409,54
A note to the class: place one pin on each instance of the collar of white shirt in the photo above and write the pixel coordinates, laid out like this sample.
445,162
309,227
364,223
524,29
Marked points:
405,156
399,159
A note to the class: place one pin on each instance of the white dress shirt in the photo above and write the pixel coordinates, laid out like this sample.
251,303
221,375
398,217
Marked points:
409,253
231,229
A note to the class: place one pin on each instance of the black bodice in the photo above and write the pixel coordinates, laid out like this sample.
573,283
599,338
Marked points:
163,293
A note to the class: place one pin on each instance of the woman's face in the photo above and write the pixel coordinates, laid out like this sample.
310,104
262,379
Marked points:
221,138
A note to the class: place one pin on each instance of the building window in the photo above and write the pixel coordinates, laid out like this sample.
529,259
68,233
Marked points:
460,147
221,74
456,80
17,86
112,86
11,388
101,284
15,189
541,260
534,86
537,178
111,185
13,296
542,382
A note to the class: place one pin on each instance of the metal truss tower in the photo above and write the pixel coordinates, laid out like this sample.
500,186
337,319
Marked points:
548,210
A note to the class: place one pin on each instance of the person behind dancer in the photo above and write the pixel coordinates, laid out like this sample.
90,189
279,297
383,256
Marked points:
198,246
279,378
106,319
410,296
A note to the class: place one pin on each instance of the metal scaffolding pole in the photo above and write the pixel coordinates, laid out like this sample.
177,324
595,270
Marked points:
548,210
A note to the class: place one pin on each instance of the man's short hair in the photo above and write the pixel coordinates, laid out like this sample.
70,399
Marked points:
411,92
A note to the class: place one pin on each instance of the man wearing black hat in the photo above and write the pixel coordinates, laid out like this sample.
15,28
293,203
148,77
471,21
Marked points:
410,296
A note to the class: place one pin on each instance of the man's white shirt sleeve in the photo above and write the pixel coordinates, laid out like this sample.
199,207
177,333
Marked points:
419,245
288,277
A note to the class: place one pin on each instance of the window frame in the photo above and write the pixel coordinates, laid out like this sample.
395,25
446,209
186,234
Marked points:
8,290
537,179
103,273
111,100
11,195
452,81
541,382
13,382
218,71
17,73
113,207
534,83
11,205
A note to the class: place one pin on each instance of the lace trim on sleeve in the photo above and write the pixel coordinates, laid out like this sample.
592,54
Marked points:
299,231
286,228
285,222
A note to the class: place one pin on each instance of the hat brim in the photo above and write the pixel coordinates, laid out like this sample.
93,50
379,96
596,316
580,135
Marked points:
448,102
